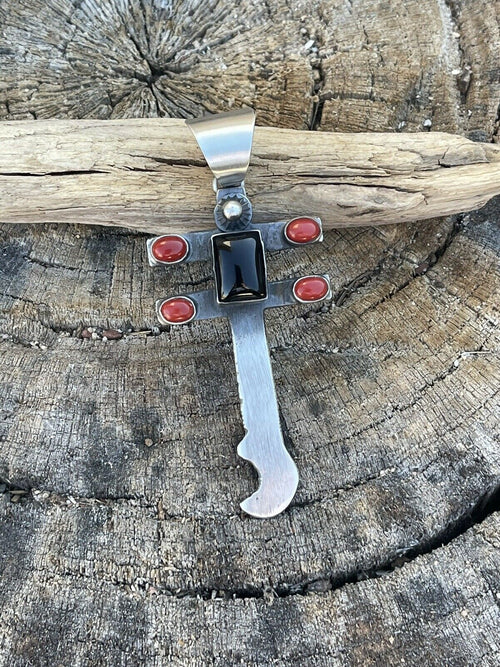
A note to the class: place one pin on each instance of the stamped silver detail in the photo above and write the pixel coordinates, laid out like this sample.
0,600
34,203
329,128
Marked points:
234,222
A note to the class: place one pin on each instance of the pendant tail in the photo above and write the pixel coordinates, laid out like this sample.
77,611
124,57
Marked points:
278,477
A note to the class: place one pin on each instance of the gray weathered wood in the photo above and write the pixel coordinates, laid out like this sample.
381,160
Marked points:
150,175
441,609
125,440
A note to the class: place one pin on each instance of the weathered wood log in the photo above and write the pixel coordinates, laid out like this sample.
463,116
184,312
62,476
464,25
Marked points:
119,515
150,175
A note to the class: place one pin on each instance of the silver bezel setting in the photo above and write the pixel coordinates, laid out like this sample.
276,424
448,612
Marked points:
318,239
242,303
163,320
156,262
328,294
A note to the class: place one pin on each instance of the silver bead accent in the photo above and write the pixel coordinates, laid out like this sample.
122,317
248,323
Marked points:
232,209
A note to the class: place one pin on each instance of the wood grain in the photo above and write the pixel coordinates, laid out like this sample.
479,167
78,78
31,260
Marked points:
117,622
121,542
150,175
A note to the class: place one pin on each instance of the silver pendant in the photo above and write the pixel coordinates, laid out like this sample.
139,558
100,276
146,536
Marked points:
242,293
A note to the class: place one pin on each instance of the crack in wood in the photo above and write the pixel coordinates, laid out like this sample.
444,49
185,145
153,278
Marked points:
484,506
76,172
318,96
464,78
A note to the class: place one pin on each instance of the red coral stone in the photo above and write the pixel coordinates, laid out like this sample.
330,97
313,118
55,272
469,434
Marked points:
303,230
311,288
177,310
170,249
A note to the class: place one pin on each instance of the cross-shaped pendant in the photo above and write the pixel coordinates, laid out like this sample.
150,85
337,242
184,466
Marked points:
242,293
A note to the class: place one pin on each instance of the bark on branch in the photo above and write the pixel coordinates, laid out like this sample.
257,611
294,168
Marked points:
149,174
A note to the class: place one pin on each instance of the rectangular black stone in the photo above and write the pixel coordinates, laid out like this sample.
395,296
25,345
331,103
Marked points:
239,266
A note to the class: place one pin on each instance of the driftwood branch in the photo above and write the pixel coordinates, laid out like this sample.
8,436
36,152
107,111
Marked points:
149,174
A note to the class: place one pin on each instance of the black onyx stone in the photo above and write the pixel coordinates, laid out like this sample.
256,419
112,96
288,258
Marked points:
239,265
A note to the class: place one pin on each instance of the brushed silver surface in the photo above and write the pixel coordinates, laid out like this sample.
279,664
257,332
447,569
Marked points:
226,142
263,444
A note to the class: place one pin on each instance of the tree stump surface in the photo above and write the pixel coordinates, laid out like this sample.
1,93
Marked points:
121,539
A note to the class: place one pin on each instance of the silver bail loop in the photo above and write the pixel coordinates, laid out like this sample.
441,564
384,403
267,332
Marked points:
225,140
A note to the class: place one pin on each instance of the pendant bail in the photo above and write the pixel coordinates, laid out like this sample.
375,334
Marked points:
225,140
